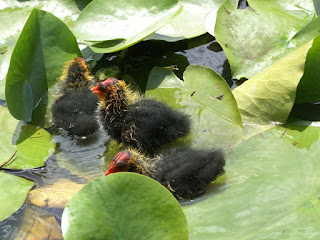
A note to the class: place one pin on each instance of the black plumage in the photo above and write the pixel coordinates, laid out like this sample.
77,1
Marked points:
142,123
185,173
74,108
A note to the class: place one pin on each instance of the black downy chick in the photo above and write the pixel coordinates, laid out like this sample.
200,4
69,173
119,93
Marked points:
75,106
140,122
185,173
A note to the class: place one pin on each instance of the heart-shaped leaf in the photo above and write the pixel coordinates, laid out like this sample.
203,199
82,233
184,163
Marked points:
43,47
124,206
17,12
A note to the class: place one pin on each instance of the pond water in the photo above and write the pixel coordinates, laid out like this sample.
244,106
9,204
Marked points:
77,161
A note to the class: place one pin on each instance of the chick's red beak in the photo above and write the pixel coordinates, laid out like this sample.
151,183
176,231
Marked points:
102,87
111,169
119,163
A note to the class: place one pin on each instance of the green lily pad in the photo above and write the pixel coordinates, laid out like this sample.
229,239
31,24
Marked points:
17,12
189,23
269,96
124,206
13,193
43,47
272,190
275,30
111,27
205,97
28,146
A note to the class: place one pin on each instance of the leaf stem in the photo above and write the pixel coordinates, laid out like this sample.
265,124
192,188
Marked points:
8,159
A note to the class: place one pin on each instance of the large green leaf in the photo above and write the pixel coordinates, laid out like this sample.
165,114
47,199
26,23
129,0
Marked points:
16,13
124,206
112,27
43,47
255,39
190,22
205,97
271,191
269,96
13,192
33,144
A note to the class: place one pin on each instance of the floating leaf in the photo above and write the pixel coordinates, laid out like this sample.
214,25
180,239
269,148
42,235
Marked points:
275,30
189,23
269,96
56,195
16,13
272,190
205,97
124,206
43,47
112,27
13,192
33,144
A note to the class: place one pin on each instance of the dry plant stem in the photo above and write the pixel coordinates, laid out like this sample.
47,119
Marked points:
8,159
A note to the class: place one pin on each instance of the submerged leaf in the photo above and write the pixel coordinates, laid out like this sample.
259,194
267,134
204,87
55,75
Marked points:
13,192
56,195
38,224
124,206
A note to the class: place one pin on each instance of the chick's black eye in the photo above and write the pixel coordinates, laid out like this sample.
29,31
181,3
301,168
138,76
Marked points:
102,87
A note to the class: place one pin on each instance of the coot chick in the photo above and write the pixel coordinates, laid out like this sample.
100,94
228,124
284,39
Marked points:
74,108
140,122
185,173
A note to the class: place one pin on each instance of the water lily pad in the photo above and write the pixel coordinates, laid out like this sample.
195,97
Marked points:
17,12
43,47
124,206
205,97
13,192
269,96
275,30
272,190
28,146
189,23
111,27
